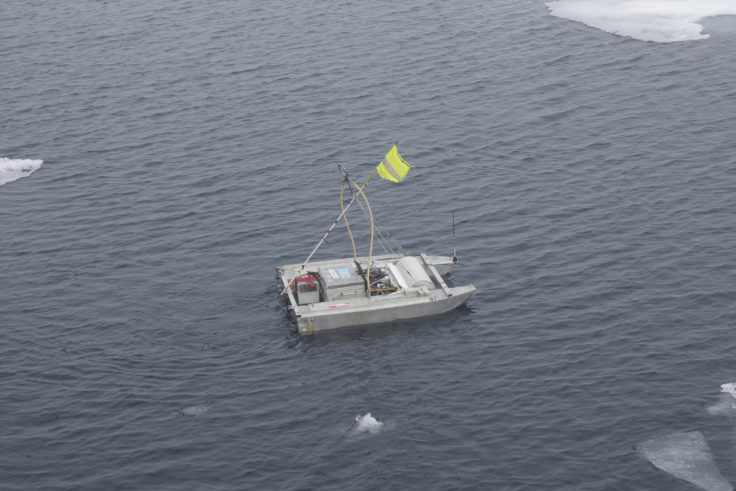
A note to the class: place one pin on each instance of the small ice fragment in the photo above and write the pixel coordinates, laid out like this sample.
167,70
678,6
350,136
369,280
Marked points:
195,410
687,456
729,388
12,169
726,406
367,424
662,21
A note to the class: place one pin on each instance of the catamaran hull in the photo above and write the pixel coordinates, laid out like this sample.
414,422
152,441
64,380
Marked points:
309,323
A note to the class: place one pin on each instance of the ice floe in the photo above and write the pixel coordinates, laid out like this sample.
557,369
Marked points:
12,169
662,21
687,456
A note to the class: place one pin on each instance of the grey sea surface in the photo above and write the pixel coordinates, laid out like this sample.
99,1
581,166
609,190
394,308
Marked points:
191,147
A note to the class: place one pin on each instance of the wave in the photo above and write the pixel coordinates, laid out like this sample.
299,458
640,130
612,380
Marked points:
662,21
13,169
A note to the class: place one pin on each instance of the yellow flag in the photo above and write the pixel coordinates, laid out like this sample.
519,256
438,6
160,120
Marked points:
393,167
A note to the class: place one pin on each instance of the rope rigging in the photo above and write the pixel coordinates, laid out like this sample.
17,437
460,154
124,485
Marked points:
393,168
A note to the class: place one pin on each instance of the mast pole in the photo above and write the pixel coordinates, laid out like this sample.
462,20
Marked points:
344,172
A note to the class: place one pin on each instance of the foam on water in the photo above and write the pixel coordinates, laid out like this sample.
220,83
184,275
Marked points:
367,424
687,456
12,169
662,21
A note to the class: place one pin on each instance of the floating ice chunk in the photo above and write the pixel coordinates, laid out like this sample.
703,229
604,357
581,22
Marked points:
726,405
195,410
687,456
367,424
12,169
729,389
662,21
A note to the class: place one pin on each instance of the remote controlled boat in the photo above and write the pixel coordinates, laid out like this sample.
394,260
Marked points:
364,290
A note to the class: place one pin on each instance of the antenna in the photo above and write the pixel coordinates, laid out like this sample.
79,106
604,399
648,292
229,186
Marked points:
454,252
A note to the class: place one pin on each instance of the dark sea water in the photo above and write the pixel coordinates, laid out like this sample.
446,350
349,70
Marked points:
191,147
